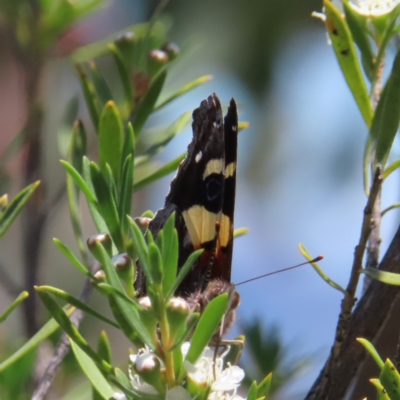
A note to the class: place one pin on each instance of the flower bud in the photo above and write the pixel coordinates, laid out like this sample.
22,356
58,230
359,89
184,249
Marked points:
104,239
3,202
157,59
148,367
177,312
124,267
171,49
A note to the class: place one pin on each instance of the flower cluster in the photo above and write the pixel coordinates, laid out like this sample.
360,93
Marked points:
374,8
208,374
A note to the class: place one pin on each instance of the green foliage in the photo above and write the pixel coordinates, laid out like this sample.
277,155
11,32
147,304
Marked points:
388,384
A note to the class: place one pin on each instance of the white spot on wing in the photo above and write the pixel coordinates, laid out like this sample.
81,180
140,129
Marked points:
234,128
216,124
198,156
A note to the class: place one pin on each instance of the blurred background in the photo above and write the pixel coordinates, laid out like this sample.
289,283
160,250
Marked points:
300,161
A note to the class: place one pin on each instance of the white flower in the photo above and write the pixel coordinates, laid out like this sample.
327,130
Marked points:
118,396
374,8
229,379
221,380
178,393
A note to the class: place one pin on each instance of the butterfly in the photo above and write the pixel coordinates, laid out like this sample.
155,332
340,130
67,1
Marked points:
202,195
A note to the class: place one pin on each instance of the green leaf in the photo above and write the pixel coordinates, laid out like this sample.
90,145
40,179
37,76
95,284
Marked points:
387,35
77,303
21,297
358,26
91,371
70,329
390,379
389,278
127,178
185,89
107,206
391,168
381,392
129,312
89,93
170,253
346,54
389,120
320,272
45,331
184,270
125,200
125,77
392,207
111,137
100,85
206,327
167,135
160,173
15,207
371,350
140,247
93,207
155,263
146,105
71,257
104,347
76,151
240,232
264,386
252,395
75,175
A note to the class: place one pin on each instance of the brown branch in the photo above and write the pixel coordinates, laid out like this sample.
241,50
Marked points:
61,350
328,379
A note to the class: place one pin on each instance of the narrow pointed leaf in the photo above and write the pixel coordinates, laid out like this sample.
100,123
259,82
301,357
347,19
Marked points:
167,135
100,85
125,200
264,386
252,395
45,331
71,257
104,347
140,247
320,272
160,173
381,392
77,304
390,379
107,205
346,54
372,351
207,326
146,105
389,278
389,121
111,138
91,371
70,329
129,312
15,207
76,151
185,89
91,198
91,99
21,297
170,253
358,26
124,76
184,270
93,206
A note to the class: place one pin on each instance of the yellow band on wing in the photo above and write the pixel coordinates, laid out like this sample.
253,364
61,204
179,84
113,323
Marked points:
213,167
200,224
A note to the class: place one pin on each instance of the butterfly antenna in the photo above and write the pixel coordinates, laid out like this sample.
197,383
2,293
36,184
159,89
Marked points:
316,259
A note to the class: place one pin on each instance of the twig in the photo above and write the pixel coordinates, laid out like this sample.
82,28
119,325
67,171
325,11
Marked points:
328,379
61,350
